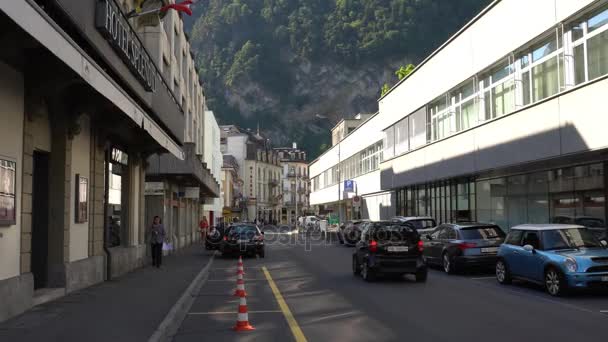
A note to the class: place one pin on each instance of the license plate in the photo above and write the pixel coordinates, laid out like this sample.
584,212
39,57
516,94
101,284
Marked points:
243,241
397,248
605,278
489,250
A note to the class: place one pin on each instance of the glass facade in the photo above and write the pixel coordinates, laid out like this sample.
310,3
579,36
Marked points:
445,201
365,161
564,195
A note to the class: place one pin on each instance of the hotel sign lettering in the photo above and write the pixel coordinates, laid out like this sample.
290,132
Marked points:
113,25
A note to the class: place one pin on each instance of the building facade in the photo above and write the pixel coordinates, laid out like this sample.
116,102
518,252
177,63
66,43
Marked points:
231,191
259,169
294,183
512,135
88,96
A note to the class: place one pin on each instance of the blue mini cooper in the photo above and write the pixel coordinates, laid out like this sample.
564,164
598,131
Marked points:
558,256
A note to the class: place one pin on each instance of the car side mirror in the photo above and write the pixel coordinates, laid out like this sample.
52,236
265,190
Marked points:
429,237
529,248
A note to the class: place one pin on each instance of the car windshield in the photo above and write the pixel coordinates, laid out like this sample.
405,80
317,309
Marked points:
243,230
481,233
422,223
569,238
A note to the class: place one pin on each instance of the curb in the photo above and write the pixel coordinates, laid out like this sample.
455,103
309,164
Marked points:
169,326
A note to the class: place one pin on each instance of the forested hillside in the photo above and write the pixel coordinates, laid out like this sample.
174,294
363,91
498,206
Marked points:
288,64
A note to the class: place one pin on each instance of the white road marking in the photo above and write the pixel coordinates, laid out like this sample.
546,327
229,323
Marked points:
233,312
346,314
604,311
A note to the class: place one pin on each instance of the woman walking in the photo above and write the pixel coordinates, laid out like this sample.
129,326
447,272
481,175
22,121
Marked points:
157,237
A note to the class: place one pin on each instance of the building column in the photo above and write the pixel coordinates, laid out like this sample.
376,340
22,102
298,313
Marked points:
26,196
59,202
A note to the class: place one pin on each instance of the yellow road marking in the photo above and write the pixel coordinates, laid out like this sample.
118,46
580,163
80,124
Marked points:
293,324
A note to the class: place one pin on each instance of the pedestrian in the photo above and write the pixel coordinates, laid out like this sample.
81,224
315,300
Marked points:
157,237
203,227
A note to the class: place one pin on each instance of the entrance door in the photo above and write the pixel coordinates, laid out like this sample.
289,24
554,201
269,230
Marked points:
40,219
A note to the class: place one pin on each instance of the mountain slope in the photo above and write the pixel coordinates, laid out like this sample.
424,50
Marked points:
287,63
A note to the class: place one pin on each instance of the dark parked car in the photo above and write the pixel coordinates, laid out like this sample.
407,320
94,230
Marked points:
595,225
243,238
458,246
423,224
350,232
389,248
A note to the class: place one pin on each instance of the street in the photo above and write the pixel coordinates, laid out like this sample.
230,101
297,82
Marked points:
329,303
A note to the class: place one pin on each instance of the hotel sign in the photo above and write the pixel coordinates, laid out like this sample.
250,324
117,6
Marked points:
115,28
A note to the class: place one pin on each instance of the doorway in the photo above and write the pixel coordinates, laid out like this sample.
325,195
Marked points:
40,219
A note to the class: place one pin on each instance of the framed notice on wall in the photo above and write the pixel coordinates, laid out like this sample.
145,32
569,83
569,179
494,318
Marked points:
82,199
8,191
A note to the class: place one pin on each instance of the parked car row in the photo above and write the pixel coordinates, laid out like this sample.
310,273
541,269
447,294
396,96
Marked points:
559,257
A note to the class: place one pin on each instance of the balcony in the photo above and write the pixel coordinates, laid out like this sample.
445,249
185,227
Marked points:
188,172
273,182
275,200
302,190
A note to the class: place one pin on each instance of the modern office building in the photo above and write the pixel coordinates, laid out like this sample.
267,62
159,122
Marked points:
294,183
503,123
87,96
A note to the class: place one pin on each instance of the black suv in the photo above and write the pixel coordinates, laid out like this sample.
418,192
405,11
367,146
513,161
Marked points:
389,248
243,238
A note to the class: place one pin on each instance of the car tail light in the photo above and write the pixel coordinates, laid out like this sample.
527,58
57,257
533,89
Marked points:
466,245
420,246
373,246
225,238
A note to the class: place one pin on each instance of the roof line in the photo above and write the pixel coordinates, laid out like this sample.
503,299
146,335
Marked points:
443,46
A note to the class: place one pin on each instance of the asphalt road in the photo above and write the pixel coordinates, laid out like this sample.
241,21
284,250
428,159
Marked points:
328,303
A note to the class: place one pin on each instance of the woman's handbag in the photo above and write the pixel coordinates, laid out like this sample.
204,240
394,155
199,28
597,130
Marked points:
167,246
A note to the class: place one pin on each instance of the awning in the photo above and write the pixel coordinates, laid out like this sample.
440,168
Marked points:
36,23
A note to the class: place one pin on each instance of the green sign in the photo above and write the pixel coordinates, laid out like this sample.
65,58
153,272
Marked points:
333,219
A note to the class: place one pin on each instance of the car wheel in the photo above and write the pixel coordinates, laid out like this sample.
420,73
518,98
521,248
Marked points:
421,276
367,274
356,266
555,283
448,265
502,273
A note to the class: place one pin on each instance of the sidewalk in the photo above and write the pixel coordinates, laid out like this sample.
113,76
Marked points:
129,308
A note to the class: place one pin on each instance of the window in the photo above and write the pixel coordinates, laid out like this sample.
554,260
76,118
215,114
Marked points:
440,117
481,233
531,238
514,237
591,47
498,90
402,136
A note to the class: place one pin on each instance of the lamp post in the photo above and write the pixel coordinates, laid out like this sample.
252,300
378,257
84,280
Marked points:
339,182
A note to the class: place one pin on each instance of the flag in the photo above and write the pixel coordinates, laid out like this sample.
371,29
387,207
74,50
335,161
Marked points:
183,6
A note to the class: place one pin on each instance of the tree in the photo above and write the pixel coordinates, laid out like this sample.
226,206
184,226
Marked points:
385,89
404,71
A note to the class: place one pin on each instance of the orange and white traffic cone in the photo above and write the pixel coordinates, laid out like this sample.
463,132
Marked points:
242,320
239,266
240,283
